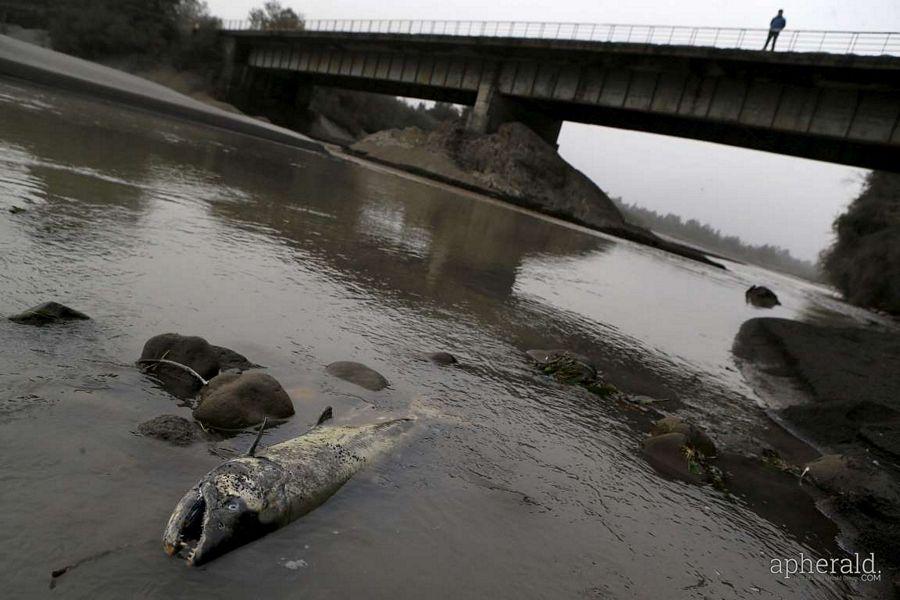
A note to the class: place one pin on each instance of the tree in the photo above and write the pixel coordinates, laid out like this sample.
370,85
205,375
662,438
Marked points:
274,16
864,261
104,28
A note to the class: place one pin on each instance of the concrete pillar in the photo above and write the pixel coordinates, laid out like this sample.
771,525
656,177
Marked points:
492,109
229,56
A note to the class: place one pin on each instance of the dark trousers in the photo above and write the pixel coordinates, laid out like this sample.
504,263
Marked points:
773,37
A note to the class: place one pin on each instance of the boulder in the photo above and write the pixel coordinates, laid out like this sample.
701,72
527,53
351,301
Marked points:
238,400
359,374
666,454
694,436
173,429
761,297
47,313
857,475
444,359
191,351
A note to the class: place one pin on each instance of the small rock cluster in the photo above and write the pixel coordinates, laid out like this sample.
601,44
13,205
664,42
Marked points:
232,395
573,369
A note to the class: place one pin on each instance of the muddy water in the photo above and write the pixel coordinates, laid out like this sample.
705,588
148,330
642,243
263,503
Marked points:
512,487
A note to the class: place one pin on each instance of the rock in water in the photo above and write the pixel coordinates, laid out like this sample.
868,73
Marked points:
237,400
677,449
16,209
173,429
761,297
695,436
359,374
571,368
666,454
194,352
444,359
48,312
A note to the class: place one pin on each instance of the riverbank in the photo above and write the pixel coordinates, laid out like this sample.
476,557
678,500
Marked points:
42,66
838,388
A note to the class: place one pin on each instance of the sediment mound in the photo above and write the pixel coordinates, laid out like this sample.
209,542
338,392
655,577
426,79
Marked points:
514,162
515,165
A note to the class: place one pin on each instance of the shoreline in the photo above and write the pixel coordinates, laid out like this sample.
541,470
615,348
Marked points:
35,65
633,234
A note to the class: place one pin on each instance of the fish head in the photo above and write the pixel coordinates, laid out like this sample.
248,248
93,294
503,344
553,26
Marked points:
227,509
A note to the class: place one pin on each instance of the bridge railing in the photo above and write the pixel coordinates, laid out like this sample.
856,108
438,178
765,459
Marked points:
797,40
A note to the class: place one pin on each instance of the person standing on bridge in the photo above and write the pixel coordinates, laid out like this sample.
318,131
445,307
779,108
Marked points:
775,28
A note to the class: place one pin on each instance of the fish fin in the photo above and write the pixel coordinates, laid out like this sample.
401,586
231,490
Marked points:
262,427
326,415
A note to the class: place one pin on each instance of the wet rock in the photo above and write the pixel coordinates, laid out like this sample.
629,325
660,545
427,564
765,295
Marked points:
695,436
16,210
46,313
238,400
359,374
444,359
858,477
761,297
173,429
666,454
571,368
194,352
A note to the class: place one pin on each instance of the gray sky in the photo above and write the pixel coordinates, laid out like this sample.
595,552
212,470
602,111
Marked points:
763,198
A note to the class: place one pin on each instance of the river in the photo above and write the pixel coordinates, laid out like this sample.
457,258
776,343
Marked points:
514,486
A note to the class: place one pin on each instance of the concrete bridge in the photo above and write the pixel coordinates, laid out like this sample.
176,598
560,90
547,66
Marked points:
831,96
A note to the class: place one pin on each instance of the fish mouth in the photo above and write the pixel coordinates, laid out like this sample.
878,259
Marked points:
186,533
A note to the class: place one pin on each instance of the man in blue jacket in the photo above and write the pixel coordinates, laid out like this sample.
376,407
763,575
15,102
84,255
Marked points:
775,28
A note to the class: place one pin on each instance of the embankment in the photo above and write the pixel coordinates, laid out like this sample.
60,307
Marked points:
514,165
21,60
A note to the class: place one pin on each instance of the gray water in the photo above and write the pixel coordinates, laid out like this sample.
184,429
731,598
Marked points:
513,487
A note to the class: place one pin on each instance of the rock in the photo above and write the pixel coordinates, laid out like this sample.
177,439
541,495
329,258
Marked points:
695,436
571,368
666,454
48,312
761,297
238,400
175,430
359,374
16,210
841,473
194,352
444,359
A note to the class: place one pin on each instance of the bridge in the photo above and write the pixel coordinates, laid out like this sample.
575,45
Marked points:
824,95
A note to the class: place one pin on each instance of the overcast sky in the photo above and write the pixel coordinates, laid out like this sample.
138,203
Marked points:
763,198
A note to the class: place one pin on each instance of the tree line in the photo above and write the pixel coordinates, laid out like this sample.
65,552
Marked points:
711,239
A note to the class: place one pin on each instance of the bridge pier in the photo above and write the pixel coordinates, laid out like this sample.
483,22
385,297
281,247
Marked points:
492,109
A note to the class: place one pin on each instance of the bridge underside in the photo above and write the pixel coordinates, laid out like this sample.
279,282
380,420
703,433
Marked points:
837,109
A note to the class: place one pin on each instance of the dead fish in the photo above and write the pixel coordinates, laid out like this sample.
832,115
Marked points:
247,497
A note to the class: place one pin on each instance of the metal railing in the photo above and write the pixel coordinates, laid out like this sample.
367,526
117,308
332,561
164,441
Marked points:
796,40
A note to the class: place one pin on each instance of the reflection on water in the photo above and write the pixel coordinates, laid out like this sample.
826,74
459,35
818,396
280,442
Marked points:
514,487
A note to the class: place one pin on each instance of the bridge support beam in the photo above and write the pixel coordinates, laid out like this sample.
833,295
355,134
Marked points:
229,57
492,109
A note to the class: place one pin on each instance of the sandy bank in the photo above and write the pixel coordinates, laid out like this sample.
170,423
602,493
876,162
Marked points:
32,63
